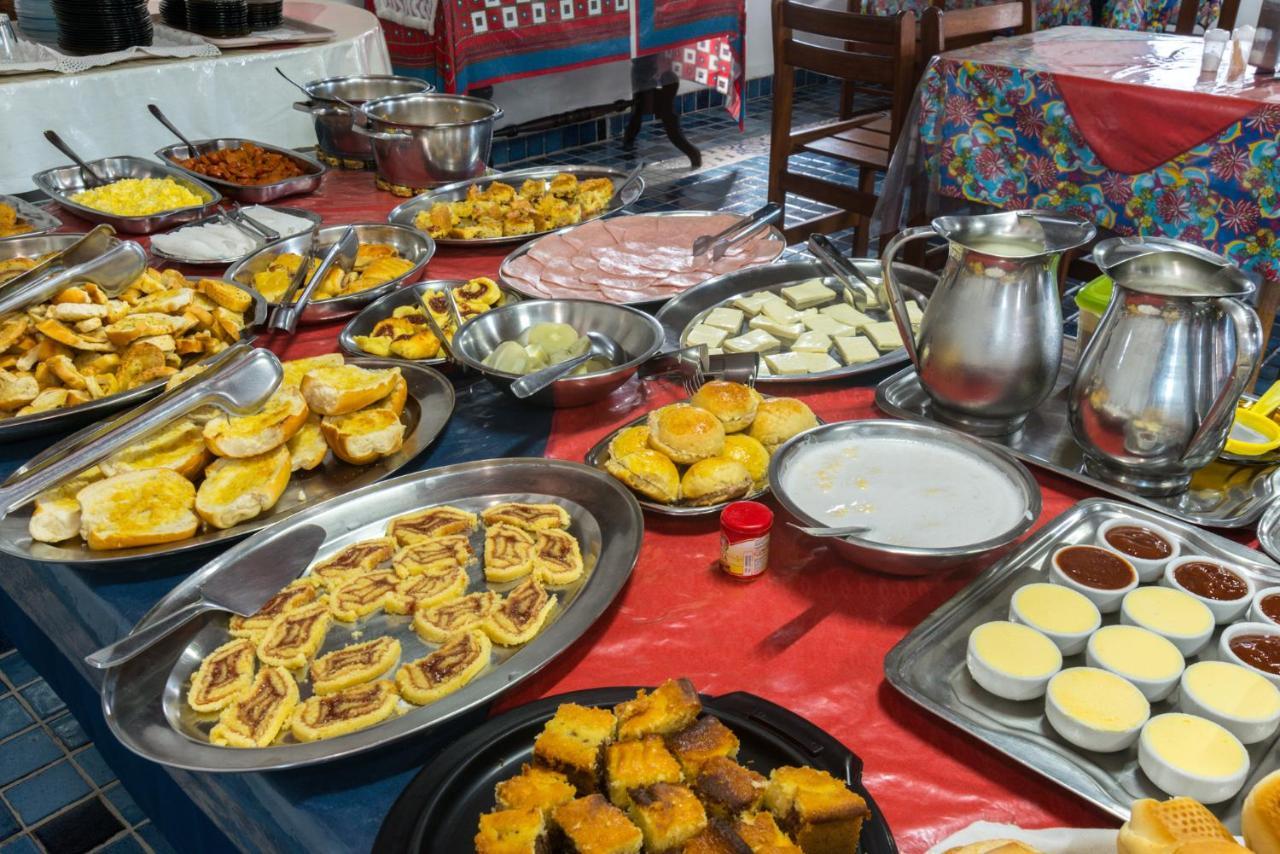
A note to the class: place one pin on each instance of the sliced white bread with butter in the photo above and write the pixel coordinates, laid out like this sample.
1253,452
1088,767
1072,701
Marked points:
265,430
345,389
308,447
236,490
364,436
137,508
296,369
179,446
56,516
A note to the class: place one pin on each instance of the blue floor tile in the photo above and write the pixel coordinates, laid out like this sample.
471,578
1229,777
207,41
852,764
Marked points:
44,794
22,754
124,845
155,839
81,828
92,763
9,824
12,717
125,805
43,699
17,670
20,845
68,731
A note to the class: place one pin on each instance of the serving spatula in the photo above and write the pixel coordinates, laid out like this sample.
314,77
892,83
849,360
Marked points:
242,589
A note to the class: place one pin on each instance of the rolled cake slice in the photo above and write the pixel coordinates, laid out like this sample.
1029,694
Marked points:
450,552
521,615
435,624
530,517
363,595
302,592
444,671
293,637
557,558
508,553
430,524
356,559
256,718
427,590
354,708
354,664
224,675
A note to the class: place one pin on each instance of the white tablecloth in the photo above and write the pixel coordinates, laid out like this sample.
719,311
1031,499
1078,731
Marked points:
104,113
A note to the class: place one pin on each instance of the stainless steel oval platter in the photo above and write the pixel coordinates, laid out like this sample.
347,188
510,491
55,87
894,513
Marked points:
426,411
313,217
144,700
258,194
63,182
39,217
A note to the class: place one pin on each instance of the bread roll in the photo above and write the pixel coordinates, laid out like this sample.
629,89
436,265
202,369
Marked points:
685,433
54,519
396,398
1165,827
714,480
307,447
733,403
269,428
296,369
1260,818
138,508
364,436
750,453
236,490
629,440
647,472
179,447
346,388
780,418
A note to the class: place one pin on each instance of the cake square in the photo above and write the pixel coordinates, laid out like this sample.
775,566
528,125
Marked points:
515,831
702,740
727,788
670,707
536,787
763,836
820,812
592,825
570,743
718,837
631,764
668,815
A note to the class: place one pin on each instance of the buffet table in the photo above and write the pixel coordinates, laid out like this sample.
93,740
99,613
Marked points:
237,93
810,634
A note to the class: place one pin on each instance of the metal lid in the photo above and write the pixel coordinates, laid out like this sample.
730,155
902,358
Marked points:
1171,268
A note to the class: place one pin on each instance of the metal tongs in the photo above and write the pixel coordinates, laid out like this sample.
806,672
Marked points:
718,244
288,311
695,366
113,270
865,291
238,380
451,304
90,246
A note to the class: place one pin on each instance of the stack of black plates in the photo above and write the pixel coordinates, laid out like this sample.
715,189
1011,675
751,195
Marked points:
101,26
266,14
219,19
174,13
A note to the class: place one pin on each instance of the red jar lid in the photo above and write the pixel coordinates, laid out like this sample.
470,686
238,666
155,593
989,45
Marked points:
747,517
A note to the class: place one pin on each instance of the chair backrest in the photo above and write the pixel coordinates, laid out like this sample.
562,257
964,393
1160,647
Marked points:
1189,14
877,49
955,28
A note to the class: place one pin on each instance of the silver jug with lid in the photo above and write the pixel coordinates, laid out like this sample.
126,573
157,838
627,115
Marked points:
1156,390
990,342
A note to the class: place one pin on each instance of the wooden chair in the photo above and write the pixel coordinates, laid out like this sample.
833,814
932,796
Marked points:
876,50
957,28
1189,14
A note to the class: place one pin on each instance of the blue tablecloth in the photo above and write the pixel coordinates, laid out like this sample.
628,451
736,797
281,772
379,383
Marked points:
56,615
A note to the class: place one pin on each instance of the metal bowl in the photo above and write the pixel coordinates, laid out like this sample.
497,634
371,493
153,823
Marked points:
258,194
905,560
36,216
428,139
411,244
363,323
333,121
314,218
638,334
63,182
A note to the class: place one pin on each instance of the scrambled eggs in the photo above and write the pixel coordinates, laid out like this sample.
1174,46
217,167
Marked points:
499,211
138,197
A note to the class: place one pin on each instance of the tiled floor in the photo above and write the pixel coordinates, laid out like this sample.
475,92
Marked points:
56,793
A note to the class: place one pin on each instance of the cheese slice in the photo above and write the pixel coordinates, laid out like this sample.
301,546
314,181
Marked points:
778,310
728,319
755,341
752,304
807,294
915,314
856,350
800,363
884,335
703,334
828,325
812,342
783,331
848,315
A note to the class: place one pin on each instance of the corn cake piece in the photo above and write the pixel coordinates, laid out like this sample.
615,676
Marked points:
842,312
571,744
536,787
718,837
728,319
763,836
670,707
631,764
856,350
884,335
779,330
728,789
668,815
819,811
592,825
699,742
708,335
755,341
812,342
512,831
808,294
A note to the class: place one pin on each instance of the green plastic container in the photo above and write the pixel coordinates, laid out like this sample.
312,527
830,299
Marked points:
1092,300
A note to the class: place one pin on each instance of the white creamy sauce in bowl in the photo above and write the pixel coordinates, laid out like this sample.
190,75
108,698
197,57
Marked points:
909,493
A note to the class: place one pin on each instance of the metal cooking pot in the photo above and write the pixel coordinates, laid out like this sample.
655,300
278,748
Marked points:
333,120
425,140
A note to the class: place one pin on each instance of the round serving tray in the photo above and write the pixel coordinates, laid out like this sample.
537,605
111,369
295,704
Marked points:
143,700
405,213
427,410
439,810
314,218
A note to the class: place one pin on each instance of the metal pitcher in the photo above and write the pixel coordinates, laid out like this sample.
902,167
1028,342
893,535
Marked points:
1157,386
990,342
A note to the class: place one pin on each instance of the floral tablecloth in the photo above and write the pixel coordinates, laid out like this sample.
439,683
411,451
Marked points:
1154,15
1049,13
1118,126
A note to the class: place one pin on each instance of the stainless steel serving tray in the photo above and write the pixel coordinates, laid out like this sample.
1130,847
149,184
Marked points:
691,306
36,216
457,191
312,170
1222,494
521,251
363,323
144,699
62,182
426,411
35,245
1269,531
314,218
411,244
67,418
928,665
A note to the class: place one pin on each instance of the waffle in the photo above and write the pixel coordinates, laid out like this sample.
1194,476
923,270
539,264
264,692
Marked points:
571,744
355,708
355,559
727,789
363,595
449,552
705,739
255,719
430,524
437,623
512,831
302,592
224,675
530,517
459,660
817,809
354,664
293,637
668,815
557,559
593,824
521,615
536,787
670,707
508,553
427,590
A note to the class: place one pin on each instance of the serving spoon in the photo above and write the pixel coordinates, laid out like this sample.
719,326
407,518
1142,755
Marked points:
94,179
601,346
344,102
846,531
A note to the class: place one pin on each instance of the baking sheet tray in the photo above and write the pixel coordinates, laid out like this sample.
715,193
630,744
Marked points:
928,665
144,699
1222,494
